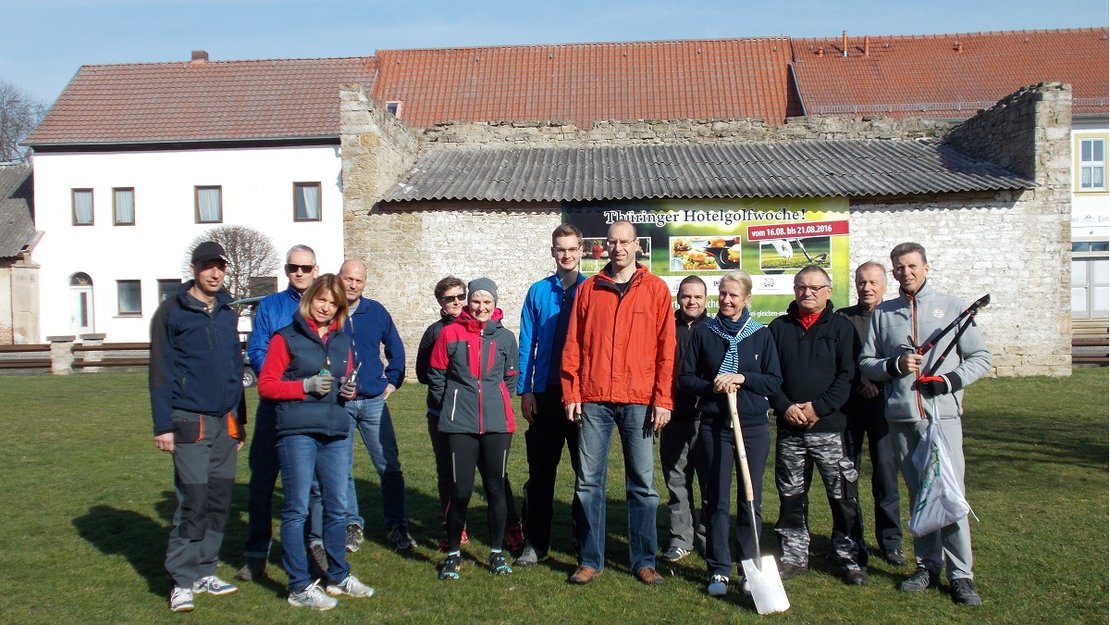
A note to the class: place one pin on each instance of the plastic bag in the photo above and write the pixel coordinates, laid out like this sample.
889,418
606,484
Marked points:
940,498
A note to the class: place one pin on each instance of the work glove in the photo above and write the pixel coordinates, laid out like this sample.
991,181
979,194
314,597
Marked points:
318,384
934,385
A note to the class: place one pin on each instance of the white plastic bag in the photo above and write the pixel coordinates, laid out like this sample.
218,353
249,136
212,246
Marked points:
940,498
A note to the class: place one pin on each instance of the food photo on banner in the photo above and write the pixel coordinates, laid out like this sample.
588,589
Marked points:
771,239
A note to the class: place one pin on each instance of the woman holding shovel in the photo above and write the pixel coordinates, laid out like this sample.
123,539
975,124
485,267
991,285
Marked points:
731,353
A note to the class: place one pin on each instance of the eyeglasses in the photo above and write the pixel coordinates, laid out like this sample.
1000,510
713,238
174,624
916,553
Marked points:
291,268
619,243
565,250
447,299
801,289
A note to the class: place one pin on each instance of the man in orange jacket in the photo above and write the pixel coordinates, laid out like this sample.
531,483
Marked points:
618,368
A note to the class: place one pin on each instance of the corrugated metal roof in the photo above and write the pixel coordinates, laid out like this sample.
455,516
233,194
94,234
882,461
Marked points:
16,223
798,169
948,76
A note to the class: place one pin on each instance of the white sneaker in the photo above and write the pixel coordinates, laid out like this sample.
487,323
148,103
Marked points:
718,586
213,586
312,597
181,600
350,587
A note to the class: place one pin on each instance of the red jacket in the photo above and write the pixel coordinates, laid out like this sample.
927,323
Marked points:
621,348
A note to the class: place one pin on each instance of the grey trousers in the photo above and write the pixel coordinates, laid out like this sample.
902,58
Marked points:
680,460
203,477
795,456
953,543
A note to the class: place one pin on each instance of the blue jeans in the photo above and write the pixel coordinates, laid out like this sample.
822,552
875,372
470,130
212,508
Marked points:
263,463
634,426
303,457
370,417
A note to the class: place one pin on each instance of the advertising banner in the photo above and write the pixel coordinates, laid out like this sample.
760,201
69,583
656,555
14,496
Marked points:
770,239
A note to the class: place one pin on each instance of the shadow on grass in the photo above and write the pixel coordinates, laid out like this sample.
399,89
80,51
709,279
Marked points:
138,538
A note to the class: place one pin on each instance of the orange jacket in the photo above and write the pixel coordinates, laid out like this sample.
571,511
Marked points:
621,349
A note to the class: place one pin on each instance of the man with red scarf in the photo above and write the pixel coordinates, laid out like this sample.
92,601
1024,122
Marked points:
817,353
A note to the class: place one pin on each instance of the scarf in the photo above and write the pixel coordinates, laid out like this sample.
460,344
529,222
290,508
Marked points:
734,332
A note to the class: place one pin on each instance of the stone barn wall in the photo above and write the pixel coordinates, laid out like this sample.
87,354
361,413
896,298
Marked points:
1014,245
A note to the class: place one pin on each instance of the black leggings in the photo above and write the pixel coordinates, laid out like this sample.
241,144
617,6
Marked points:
489,453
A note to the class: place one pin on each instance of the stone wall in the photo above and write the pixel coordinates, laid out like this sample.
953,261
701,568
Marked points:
1013,245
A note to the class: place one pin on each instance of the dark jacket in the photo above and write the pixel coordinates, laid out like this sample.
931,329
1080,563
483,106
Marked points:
759,362
859,406
296,353
685,404
371,328
818,365
424,354
471,367
196,364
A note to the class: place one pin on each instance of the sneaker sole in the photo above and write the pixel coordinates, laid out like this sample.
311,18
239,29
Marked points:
318,608
447,577
182,608
336,591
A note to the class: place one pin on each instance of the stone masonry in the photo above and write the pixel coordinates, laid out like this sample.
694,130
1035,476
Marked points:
1006,243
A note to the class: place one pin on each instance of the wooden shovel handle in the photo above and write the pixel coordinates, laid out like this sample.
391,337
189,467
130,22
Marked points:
741,453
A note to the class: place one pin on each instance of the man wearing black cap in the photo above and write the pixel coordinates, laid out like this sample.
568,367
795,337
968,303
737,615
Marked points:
196,398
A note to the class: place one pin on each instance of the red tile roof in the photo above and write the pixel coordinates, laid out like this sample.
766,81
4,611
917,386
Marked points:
585,83
201,101
948,76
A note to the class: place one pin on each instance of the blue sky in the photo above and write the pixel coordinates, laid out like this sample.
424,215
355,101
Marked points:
46,41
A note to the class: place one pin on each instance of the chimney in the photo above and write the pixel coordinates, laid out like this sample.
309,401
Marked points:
821,51
867,45
199,56
958,47
844,43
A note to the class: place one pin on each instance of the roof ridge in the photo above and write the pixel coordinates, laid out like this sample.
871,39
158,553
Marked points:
1076,29
584,44
228,61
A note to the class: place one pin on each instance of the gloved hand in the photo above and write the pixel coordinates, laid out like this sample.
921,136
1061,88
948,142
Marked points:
933,385
318,384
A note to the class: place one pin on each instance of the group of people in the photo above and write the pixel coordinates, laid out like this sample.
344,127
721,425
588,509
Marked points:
596,354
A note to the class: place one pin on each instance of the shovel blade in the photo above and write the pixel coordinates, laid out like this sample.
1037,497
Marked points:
766,585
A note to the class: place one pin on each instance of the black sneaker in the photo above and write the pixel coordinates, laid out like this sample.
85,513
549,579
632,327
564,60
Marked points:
497,564
921,580
895,557
450,567
253,570
963,592
855,577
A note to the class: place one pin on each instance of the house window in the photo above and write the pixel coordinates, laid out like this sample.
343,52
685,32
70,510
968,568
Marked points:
168,288
82,207
209,205
394,107
123,207
1092,164
130,298
306,201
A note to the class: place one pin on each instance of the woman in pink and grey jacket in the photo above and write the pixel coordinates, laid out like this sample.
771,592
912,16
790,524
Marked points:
472,367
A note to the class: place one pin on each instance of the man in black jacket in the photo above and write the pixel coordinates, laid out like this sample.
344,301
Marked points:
678,448
817,353
196,398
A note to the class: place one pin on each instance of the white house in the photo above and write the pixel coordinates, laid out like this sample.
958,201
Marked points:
133,162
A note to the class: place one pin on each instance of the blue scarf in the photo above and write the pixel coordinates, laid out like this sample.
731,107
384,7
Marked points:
733,332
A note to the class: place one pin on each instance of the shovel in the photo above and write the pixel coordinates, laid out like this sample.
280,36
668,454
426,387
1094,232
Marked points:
762,573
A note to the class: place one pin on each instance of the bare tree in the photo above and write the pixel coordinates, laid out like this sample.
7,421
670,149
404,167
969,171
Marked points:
19,114
251,258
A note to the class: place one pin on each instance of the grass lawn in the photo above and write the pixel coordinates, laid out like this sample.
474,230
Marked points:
87,501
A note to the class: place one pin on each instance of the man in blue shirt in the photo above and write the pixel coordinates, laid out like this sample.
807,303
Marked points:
372,329
543,332
274,312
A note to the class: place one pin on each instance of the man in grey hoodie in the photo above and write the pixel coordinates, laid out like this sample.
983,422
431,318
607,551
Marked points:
889,356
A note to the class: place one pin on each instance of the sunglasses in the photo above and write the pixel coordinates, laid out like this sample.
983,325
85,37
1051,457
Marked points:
291,268
447,299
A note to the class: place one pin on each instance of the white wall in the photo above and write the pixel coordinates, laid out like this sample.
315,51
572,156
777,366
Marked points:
1090,211
257,192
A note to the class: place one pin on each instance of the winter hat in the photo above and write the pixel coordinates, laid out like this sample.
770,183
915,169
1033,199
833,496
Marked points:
482,284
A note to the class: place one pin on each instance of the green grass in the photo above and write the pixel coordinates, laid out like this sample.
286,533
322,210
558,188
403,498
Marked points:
87,501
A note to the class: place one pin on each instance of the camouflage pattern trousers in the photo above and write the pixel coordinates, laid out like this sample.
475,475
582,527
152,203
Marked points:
795,456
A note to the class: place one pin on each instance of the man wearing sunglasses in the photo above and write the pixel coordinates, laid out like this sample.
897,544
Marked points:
817,353
274,312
